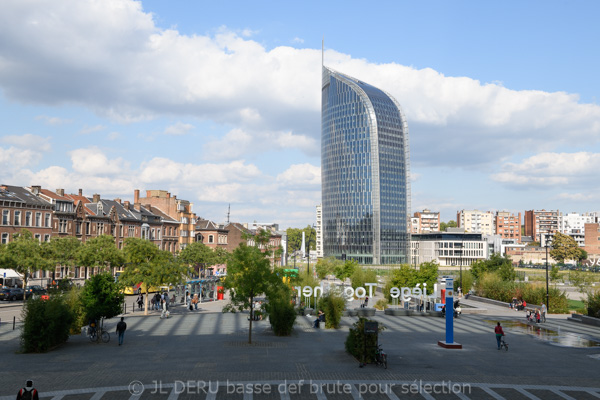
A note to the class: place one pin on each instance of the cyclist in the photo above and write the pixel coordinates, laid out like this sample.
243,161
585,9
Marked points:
499,333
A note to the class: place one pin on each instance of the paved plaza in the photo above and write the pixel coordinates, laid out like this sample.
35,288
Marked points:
205,355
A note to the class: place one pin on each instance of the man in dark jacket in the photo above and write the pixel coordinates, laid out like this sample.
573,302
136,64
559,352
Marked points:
121,327
28,392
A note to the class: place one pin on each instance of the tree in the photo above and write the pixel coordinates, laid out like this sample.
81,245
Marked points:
564,247
496,263
100,252
248,276
360,276
147,264
294,238
64,251
101,297
25,255
199,255
327,266
445,225
554,273
343,271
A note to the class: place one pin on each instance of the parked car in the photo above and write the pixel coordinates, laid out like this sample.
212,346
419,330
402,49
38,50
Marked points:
11,294
35,290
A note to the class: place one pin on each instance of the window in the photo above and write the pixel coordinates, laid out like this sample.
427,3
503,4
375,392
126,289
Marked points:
211,239
38,237
38,219
62,226
87,228
6,217
100,228
17,218
27,218
4,238
46,238
47,217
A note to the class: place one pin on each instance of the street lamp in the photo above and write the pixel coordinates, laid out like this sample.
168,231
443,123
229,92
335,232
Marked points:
548,238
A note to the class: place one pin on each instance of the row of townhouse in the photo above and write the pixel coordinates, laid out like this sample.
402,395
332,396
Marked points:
159,217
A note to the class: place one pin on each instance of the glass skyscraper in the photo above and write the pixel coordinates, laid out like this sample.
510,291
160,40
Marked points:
364,173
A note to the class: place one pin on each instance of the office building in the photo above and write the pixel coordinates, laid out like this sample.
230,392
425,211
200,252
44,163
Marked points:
364,172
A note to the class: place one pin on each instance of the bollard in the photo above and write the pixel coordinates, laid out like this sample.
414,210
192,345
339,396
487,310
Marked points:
14,322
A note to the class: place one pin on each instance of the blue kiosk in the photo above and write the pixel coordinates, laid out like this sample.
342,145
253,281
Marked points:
449,342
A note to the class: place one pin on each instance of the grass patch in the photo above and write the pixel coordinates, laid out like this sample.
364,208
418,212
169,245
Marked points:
576,304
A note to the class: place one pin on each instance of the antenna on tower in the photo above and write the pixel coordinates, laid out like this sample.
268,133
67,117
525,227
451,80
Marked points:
228,211
323,51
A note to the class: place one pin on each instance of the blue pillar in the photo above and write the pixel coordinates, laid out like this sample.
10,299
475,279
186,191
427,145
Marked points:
449,310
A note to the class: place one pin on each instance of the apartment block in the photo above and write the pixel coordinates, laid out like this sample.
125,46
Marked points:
573,224
507,225
180,210
592,239
475,221
539,223
427,221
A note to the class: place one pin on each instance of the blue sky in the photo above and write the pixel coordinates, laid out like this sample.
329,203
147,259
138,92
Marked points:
219,102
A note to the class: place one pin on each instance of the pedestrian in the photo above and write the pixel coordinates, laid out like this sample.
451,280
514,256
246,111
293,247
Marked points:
28,392
366,302
165,309
188,301
140,300
499,333
195,301
157,301
121,327
544,309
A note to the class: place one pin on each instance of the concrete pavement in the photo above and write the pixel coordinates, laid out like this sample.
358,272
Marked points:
209,346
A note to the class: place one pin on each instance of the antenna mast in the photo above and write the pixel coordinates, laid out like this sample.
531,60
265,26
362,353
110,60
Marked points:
228,211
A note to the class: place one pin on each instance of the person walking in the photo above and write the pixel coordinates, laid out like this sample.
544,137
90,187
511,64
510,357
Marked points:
28,392
140,301
499,333
544,309
195,301
121,327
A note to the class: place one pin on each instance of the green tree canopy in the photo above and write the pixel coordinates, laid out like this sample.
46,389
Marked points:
496,263
248,275
327,266
147,264
294,238
101,252
445,225
64,250
360,276
25,255
101,297
199,254
564,247
345,270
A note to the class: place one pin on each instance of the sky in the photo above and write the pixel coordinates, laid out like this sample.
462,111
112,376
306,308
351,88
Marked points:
219,102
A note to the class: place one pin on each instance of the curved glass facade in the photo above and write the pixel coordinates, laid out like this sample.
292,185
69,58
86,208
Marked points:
364,173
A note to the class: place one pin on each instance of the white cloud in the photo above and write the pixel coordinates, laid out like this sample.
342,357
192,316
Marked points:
178,129
28,141
93,162
551,169
297,40
233,80
300,175
53,120
86,130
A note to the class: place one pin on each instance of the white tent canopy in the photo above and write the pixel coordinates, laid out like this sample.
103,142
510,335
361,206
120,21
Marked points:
9,273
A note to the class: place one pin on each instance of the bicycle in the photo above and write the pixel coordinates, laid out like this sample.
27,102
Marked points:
503,344
381,357
97,335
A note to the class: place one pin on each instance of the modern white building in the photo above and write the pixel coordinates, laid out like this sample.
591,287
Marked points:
573,224
319,229
475,221
451,248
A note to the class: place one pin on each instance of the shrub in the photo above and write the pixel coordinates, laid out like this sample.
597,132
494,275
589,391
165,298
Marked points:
46,324
72,299
332,304
381,304
282,314
593,304
357,340
360,276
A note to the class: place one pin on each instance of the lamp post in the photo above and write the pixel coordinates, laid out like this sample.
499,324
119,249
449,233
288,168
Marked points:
308,252
547,291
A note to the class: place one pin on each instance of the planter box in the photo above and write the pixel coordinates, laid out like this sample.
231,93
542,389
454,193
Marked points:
434,313
349,313
365,312
397,312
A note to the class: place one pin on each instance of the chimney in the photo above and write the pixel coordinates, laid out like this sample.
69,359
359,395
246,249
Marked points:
168,195
60,192
137,206
81,192
136,196
148,207
36,190
118,200
148,193
96,198
126,205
